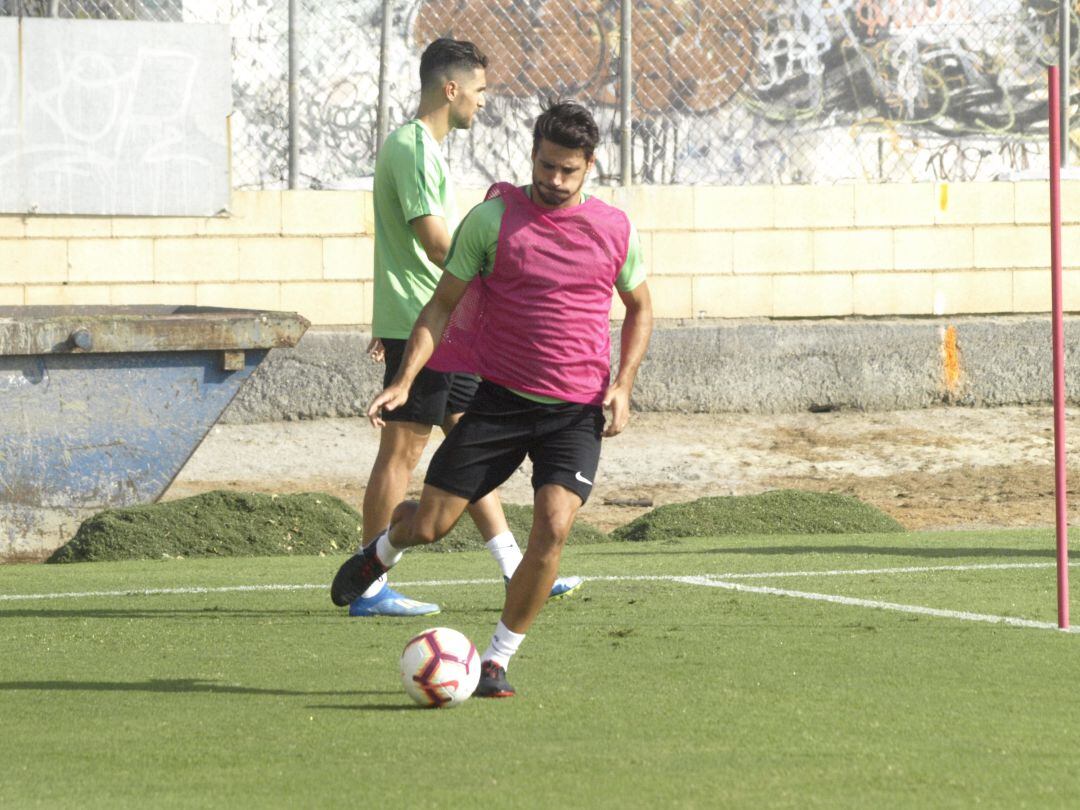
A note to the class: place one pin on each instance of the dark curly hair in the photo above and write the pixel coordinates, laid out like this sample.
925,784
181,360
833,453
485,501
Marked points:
568,124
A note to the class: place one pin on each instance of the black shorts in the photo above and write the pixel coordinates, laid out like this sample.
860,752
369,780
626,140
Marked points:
434,395
501,428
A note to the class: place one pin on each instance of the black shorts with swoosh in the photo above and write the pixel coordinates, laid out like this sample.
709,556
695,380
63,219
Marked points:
434,396
500,429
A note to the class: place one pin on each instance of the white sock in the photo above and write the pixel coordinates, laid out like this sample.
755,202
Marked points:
503,645
504,549
376,588
387,553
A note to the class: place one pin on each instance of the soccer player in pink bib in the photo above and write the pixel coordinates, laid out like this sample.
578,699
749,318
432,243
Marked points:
415,214
524,303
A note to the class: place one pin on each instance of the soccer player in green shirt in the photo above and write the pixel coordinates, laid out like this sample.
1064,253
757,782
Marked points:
414,217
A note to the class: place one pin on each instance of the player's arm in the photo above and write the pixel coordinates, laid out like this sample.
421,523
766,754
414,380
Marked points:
426,334
636,330
417,178
433,235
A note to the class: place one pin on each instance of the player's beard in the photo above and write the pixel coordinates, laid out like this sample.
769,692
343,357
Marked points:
457,121
550,196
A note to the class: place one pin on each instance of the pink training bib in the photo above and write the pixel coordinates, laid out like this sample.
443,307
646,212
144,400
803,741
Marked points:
539,322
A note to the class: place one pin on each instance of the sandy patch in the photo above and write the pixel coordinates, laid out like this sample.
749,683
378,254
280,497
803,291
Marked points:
934,468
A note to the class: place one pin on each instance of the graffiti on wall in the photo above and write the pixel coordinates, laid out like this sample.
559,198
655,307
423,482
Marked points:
724,91
785,90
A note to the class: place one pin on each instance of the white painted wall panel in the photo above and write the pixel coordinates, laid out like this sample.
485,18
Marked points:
114,118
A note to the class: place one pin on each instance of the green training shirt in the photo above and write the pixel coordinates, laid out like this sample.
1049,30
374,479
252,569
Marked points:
412,179
473,248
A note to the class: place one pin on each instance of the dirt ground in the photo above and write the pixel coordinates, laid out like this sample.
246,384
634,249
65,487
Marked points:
941,468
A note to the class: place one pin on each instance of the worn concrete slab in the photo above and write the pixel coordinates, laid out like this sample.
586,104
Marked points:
738,366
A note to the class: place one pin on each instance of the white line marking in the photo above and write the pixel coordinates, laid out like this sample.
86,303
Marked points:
707,580
912,569
872,603
836,572
18,597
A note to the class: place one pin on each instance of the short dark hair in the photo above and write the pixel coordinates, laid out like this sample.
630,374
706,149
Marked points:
444,56
568,124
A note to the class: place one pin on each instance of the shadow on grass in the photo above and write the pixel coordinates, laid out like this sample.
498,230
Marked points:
168,685
164,613
891,551
379,707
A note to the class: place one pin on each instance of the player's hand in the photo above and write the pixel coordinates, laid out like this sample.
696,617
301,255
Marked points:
376,351
617,399
387,400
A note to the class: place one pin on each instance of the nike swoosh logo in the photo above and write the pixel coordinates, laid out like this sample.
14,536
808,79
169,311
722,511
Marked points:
582,478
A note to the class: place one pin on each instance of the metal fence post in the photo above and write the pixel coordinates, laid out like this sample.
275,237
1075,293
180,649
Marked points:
294,145
382,119
626,88
54,8
1064,24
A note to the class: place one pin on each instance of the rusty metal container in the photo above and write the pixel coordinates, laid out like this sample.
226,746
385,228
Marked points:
102,406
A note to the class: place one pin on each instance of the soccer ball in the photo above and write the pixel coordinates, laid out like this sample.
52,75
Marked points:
440,668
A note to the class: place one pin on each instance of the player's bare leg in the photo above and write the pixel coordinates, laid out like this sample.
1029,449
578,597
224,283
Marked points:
487,513
414,524
411,524
400,447
554,510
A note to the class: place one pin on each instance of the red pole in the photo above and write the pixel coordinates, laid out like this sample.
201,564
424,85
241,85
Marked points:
1062,521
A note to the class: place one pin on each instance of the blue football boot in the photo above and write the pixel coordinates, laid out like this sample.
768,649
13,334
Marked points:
389,602
564,586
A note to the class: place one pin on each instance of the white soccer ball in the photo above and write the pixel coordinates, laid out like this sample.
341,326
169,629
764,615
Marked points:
440,668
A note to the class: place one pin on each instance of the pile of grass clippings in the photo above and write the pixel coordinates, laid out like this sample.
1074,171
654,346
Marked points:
217,524
244,524
781,511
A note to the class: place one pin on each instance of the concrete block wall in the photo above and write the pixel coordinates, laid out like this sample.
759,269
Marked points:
310,252
871,250
712,252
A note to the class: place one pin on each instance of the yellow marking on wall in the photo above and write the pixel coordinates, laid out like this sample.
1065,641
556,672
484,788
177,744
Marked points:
950,354
943,196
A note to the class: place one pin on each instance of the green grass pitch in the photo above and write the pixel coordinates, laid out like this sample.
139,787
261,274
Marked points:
739,686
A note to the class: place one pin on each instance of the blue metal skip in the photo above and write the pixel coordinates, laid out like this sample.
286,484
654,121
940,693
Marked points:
102,407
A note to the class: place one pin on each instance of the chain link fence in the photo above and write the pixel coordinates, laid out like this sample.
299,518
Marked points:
150,10
723,91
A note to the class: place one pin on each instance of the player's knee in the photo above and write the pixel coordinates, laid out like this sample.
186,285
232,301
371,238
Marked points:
406,510
427,531
425,534
553,524
404,458
402,452
419,529
546,540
